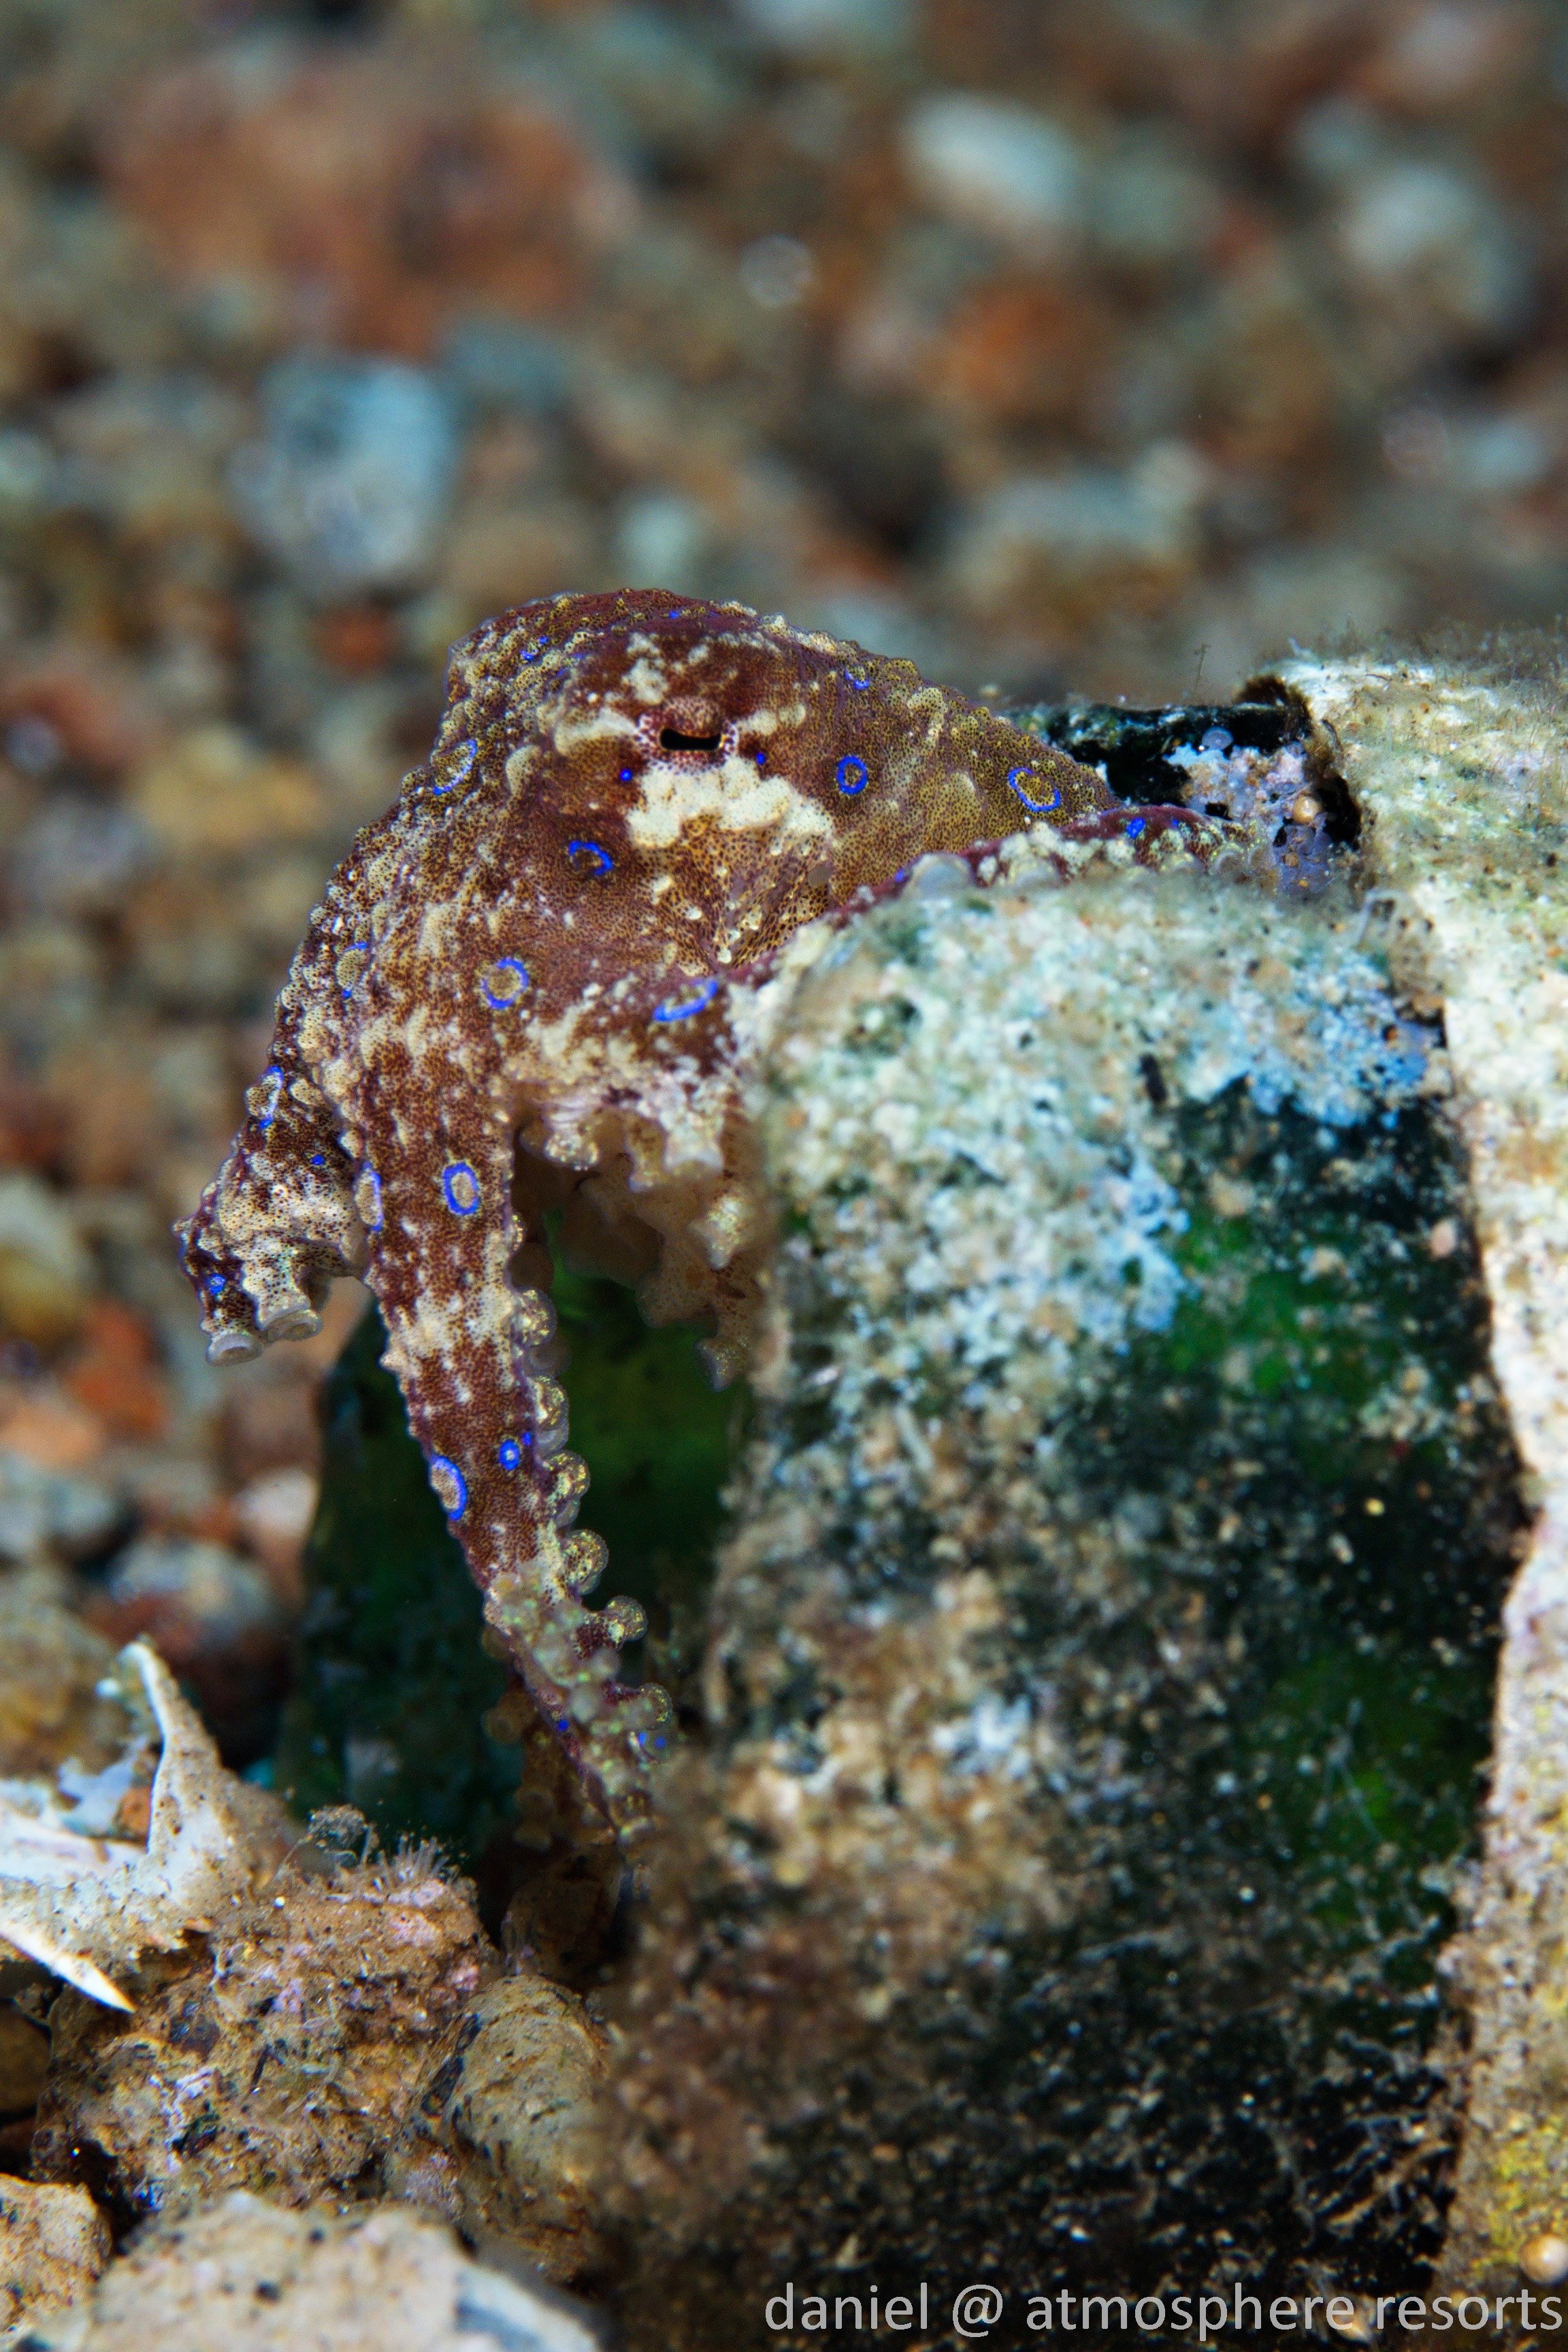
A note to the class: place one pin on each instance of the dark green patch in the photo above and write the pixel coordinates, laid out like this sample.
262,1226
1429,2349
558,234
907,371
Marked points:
656,1436
1297,1689
391,1683
1258,1594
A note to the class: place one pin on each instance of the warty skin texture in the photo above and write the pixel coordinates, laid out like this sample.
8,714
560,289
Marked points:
540,980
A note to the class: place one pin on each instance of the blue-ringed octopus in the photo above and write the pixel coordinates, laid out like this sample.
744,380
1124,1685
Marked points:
539,983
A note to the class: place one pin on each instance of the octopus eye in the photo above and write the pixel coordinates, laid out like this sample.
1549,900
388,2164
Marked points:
588,860
673,740
1016,778
451,1486
503,984
852,774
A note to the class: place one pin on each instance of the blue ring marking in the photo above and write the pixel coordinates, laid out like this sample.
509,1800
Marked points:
451,1486
626,775
852,775
514,977
368,1183
1041,808
460,1188
216,1286
318,1159
508,1453
850,679
601,861
761,759
1135,825
462,767
274,1078
531,653
673,1009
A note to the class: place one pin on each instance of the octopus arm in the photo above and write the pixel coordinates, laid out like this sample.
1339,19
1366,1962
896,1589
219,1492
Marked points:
467,1346
279,1220
282,1218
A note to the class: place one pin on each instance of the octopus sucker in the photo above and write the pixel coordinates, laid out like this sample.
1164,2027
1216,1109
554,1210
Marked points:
543,982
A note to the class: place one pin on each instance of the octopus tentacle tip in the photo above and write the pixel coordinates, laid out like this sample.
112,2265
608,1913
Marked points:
541,982
233,1347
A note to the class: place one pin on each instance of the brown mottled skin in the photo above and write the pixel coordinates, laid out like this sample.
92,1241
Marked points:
542,979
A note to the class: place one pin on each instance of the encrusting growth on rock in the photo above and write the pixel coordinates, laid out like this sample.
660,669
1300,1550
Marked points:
541,980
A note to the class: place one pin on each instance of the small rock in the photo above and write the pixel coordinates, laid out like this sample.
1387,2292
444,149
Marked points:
1058,546
499,2136
53,2245
247,2272
1436,247
51,1667
78,856
349,487
992,165
23,2061
44,1274
1544,2260
215,790
830,25
115,1375
504,364
275,1512
218,1620
43,1507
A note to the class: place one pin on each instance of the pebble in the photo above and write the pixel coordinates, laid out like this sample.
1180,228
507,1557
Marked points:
45,1277
990,165
350,485
1544,2260
213,789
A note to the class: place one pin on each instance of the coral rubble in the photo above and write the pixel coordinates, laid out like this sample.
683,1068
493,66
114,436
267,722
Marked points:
278,2050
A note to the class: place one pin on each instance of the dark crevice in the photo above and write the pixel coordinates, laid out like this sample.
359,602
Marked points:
1139,751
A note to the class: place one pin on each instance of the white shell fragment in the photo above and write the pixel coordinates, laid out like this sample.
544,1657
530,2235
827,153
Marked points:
85,1907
